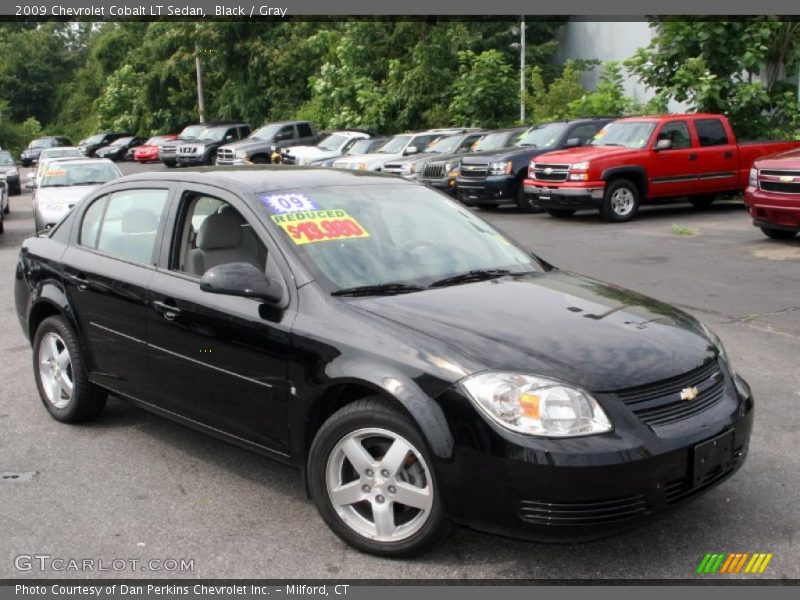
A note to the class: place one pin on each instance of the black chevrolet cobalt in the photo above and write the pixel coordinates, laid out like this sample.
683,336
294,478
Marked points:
419,366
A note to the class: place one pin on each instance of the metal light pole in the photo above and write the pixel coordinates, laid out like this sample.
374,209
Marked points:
522,69
201,103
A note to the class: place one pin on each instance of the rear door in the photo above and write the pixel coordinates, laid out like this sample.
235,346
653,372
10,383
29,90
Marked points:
673,172
108,266
305,135
219,360
717,156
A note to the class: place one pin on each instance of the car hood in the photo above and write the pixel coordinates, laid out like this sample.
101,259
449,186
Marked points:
783,160
108,149
32,151
586,153
246,144
373,161
7,168
306,154
63,195
503,154
555,324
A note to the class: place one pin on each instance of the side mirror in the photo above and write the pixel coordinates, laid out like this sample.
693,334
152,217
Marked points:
662,145
31,183
572,143
229,137
240,279
411,150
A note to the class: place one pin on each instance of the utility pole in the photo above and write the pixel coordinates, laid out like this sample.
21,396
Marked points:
201,103
522,69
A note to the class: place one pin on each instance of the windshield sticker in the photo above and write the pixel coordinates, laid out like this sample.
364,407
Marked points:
319,226
55,172
288,203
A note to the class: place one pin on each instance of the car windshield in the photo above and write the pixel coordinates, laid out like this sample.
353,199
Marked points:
445,145
494,141
266,133
631,134
6,160
43,143
121,141
360,147
545,136
213,134
155,141
394,145
192,131
60,153
94,139
61,174
333,142
365,235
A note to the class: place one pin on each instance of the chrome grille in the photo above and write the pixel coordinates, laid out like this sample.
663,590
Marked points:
433,171
168,149
392,168
187,150
474,170
225,153
660,403
547,172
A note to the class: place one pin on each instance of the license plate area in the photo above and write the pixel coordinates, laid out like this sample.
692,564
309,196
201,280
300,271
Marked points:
712,457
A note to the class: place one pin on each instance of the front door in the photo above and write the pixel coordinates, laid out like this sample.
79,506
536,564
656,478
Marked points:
219,360
673,172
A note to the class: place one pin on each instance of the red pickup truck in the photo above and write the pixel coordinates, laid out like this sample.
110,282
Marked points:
773,195
639,159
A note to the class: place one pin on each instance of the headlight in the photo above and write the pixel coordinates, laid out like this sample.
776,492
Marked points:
581,166
12,172
362,166
723,354
500,168
199,149
753,182
408,169
241,154
536,405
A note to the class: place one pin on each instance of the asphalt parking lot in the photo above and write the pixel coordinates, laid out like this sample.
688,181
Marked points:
132,485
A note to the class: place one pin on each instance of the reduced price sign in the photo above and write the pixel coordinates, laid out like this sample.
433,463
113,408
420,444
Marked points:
305,227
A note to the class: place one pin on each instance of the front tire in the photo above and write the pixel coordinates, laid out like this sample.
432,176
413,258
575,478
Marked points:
778,234
371,477
60,373
620,201
526,203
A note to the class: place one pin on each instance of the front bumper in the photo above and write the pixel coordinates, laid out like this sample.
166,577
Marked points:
565,197
591,487
493,190
773,210
192,159
230,162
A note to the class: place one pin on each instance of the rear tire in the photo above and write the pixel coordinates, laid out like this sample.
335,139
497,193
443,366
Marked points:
778,234
373,455
561,213
702,202
620,201
60,373
259,160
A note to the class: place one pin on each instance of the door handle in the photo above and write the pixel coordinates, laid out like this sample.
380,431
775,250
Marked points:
728,155
80,281
693,157
169,311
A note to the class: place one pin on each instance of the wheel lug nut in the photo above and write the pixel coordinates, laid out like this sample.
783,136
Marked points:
385,473
379,499
369,472
366,489
392,489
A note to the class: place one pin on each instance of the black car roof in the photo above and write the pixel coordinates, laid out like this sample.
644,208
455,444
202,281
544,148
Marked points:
267,178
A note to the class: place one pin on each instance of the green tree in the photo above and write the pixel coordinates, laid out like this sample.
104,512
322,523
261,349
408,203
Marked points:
485,93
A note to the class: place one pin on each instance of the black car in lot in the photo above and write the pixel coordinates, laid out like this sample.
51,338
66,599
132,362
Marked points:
345,323
93,143
10,172
118,149
30,155
494,178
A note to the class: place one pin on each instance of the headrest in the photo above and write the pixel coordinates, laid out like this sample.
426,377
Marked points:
219,231
139,220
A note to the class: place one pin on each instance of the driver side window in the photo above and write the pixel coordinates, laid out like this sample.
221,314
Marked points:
212,232
678,133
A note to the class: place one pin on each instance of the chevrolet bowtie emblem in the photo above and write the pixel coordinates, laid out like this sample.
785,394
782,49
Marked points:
787,178
548,171
689,393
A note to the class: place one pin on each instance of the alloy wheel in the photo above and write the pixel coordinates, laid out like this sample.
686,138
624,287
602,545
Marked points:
379,484
622,202
55,370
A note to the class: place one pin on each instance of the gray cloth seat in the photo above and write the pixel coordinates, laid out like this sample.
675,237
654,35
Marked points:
219,242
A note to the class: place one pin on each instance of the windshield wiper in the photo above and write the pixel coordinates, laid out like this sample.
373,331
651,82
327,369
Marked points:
380,289
90,183
476,275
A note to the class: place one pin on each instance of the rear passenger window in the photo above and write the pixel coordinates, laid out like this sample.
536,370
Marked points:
129,226
711,132
304,130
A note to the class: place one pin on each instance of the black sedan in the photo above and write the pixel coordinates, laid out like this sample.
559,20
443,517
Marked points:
118,149
419,366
